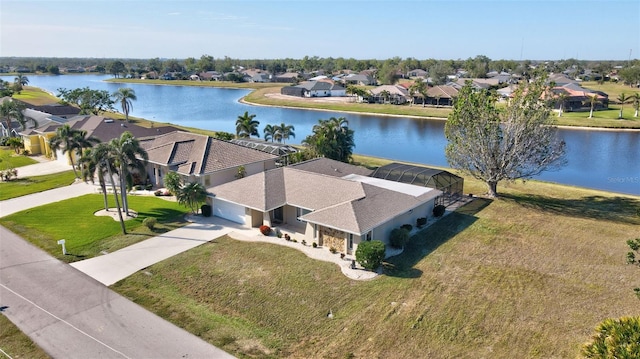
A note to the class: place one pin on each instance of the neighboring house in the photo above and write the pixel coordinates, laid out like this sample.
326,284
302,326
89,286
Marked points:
358,79
397,94
331,211
36,139
202,159
289,77
207,76
281,150
64,111
561,79
417,73
578,98
441,95
315,89
329,167
256,76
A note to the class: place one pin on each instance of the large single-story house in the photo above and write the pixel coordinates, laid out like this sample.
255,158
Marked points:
203,159
315,89
395,94
334,212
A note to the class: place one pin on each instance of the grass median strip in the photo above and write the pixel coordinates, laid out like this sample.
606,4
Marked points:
28,185
86,234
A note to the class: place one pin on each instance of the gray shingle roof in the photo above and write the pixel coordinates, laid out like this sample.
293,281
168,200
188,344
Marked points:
329,167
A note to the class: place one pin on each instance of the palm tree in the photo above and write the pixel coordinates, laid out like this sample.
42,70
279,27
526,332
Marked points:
636,102
72,142
284,132
191,195
124,96
246,126
19,82
128,156
592,102
332,139
269,132
11,111
385,96
93,163
561,98
622,99
417,87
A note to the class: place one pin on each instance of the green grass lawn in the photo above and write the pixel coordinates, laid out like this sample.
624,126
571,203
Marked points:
528,275
35,96
16,344
9,159
86,234
24,186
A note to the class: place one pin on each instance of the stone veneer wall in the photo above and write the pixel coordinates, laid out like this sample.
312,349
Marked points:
333,238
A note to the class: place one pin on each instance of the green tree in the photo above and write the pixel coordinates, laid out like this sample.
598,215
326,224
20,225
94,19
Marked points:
125,96
635,98
622,99
630,75
269,132
221,135
19,82
53,69
418,87
89,101
15,143
10,112
370,254
634,245
332,139
284,132
492,145
128,157
93,164
71,141
192,195
561,98
246,126
592,101
615,339
172,182
116,68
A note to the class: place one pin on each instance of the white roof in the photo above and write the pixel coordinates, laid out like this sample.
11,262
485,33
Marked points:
405,188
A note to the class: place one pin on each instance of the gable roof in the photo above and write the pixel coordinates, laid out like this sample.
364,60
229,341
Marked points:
105,129
355,204
442,91
392,89
195,154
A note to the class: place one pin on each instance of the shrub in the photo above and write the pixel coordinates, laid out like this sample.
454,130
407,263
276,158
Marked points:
286,237
614,338
314,245
399,237
370,254
278,233
304,243
8,174
407,227
438,210
265,230
206,211
150,222
333,250
158,193
422,221
172,182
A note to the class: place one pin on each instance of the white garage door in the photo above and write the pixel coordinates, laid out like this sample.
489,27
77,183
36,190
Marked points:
229,211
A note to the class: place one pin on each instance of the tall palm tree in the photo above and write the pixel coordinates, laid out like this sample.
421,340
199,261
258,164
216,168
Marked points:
417,88
561,98
385,96
124,96
284,132
269,132
332,139
592,102
635,98
71,141
10,112
622,99
246,126
93,163
20,81
128,157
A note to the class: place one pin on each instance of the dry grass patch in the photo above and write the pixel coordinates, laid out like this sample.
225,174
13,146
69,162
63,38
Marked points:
527,275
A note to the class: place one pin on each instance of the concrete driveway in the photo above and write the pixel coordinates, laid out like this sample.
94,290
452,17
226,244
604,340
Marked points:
18,204
43,168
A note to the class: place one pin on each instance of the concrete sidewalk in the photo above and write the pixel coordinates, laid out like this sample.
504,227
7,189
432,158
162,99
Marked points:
18,204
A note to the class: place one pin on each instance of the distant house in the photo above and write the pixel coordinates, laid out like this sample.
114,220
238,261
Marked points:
202,159
577,98
289,77
417,73
395,94
441,95
256,76
358,79
207,76
315,89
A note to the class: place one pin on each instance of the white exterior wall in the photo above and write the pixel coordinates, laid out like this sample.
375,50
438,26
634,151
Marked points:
339,93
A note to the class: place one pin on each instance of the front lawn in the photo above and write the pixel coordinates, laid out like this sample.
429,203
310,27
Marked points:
9,159
24,186
528,275
86,234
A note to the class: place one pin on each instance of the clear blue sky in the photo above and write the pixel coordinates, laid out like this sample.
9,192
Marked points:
269,29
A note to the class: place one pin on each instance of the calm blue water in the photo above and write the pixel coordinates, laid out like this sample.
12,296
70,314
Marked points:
607,160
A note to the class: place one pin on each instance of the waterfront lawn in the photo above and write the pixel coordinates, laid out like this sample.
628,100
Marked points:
86,234
9,159
24,186
16,344
601,118
35,96
528,275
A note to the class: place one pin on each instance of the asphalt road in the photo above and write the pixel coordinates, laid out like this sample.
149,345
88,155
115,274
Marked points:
70,315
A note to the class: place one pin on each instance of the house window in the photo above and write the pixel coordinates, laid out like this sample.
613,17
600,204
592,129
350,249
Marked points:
350,241
367,237
301,212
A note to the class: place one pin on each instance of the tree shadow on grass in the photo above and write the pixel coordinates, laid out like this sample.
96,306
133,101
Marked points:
614,209
163,215
427,240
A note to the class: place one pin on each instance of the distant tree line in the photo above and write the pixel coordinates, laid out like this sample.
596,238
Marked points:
388,70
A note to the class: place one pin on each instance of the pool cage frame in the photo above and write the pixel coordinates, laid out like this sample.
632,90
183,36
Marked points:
451,185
